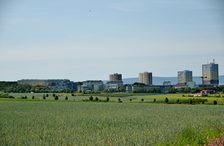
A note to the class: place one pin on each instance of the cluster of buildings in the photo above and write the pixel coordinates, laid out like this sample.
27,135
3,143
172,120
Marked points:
210,76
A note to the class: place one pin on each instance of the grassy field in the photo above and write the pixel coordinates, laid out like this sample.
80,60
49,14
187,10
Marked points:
125,97
107,123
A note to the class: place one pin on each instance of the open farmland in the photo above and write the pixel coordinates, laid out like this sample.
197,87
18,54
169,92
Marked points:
125,97
108,123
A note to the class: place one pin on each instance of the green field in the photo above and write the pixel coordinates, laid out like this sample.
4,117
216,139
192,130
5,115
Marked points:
125,97
107,123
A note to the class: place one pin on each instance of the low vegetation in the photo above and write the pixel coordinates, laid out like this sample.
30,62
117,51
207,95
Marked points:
108,123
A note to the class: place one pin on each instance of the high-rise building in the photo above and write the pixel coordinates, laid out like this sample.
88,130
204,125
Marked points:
145,78
184,77
115,82
210,74
115,77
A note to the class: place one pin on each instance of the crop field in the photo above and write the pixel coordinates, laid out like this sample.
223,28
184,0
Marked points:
125,97
107,123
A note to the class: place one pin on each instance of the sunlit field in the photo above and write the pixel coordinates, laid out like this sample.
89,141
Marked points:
107,123
125,97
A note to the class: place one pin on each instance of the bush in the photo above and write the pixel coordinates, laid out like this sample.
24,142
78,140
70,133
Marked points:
32,97
119,100
191,101
215,102
56,98
96,99
24,97
142,100
154,100
178,100
108,99
47,95
166,100
66,98
11,97
91,98
73,94
130,99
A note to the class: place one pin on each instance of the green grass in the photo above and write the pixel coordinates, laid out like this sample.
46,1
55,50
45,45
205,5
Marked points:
99,123
174,97
125,97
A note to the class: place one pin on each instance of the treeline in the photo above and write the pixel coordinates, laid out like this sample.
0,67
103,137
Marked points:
14,87
180,90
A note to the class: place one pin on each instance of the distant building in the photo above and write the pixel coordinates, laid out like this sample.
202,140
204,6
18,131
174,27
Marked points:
145,78
92,86
167,83
184,77
115,77
210,74
129,88
55,84
114,83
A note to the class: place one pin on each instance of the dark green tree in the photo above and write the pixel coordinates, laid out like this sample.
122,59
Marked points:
166,100
91,98
56,98
191,101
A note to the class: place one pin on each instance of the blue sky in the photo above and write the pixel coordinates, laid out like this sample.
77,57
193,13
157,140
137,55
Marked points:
88,39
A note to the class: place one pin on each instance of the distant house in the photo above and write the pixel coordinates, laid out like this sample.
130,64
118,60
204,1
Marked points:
204,93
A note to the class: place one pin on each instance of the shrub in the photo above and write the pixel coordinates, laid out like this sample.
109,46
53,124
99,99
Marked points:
130,99
66,98
56,98
119,100
73,94
154,100
178,100
142,100
108,99
11,97
32,97
47,95
24,97
91,98
97,99
215,102
166,100
191,101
